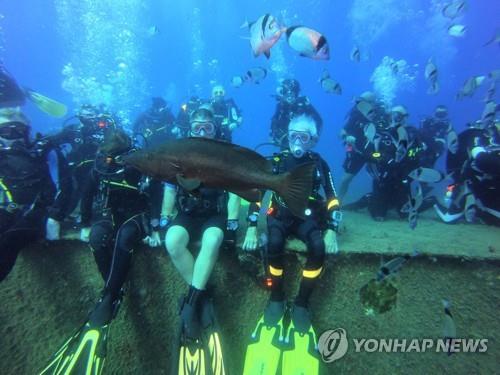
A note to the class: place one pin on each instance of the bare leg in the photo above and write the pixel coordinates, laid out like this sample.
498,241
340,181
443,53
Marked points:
176,241
210,244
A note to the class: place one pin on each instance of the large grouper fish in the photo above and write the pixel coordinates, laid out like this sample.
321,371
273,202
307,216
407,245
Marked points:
194,162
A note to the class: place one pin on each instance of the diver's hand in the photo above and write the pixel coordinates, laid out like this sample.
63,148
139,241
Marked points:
85,234
52,230
154,239
250,243
331,246
350,140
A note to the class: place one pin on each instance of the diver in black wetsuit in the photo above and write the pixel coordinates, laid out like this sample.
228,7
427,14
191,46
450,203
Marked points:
289,105
33,200
367,110
226,113
155,124
433,133
317,230
182,122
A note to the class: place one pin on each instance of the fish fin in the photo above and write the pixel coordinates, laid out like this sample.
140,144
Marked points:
187,183
246,24
267,54
250,195
295,188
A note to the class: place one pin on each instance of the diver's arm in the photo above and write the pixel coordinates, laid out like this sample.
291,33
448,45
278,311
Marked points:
332,202
88,193
61,177
156,192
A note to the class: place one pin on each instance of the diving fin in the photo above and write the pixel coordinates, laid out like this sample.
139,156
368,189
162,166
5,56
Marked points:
47,105
264,351
211,337
84,353
192,354
301,357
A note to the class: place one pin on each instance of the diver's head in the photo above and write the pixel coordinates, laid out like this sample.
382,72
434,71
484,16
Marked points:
218,93
399,115
158,104
202,123
302,134
441,112
368,97
289,90
14,128
87,115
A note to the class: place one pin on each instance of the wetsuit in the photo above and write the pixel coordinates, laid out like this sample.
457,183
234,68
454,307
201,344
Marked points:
154,126
433,133
284,112
281,223
129,208
201,210
226,112
357,154
391,184
28,196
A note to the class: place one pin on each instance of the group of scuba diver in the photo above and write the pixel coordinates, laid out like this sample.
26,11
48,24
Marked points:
78,173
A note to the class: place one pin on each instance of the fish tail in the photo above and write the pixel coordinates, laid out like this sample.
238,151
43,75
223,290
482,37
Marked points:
295,188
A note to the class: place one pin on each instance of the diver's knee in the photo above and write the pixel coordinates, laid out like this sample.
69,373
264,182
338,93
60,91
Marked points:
176,240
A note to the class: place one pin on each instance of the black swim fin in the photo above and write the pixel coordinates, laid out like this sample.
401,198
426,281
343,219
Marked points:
84,353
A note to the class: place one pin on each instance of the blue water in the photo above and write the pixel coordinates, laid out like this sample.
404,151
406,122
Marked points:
104,51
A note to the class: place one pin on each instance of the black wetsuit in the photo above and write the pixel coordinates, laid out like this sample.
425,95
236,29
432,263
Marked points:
28,196
154,126
391,184
225,113
201,210
129,208
433,134
357,154
284,112
281,222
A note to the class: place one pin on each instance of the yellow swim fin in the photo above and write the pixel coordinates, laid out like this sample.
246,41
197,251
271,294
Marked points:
264,352
302,357
45,104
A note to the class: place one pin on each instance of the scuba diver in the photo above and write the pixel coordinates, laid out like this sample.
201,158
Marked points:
182,125
129,212
226,113
289,104
35,186
83,139
155,124
202,214
393,156
474,169
318,231
434,133
367,110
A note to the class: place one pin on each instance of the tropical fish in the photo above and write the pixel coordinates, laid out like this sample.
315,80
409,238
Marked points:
494,75
449,327
489,112
427,175
490,93
495,39
431,75
452,141
237,81
153,30
329,85
470,86
264,33
256,75
308,42
355,54
394,265
195,162
454,9
369,131
457,30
